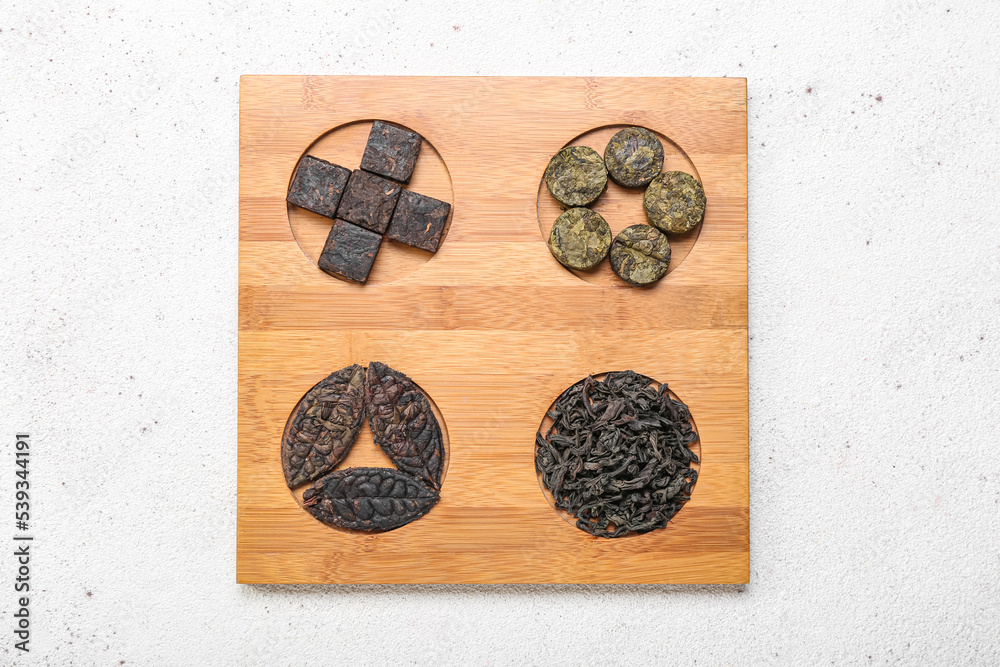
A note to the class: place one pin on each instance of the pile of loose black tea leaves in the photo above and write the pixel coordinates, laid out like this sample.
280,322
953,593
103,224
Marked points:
634,157
323,426
674,202
617,456
371,499
576,176
403,423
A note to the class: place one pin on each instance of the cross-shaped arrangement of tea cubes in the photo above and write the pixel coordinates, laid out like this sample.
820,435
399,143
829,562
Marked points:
369,203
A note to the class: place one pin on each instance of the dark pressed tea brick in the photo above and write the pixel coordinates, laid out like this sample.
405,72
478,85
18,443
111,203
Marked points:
369,201
640,255
391,152
403,423
617,455
580,239
674,202
370,499
349,251
318,185
419,220
634,157
576,176
323,426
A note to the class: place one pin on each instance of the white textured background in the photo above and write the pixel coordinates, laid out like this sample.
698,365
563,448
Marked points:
874,305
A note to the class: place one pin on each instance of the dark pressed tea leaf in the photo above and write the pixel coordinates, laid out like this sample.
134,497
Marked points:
580,238
369,499
323,426
617,454
640,255
391,152
403,423
576,176
674,202
634,156
369,201
318,185
419,221
349,251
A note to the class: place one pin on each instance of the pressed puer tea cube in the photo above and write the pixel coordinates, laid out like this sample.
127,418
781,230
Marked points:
419,221
349,251
318,185
369,201
391,152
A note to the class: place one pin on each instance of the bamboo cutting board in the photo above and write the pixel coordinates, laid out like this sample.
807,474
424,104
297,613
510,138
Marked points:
491,327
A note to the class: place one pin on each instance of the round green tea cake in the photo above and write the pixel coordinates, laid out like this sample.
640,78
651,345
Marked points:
634,157
576,176
640,255
674,202
580,239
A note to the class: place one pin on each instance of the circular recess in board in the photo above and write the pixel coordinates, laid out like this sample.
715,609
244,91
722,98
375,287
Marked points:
620,206
369,202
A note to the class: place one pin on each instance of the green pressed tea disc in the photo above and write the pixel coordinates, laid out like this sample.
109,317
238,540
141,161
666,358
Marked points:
580,239
634,157
640,255
674,202
576,176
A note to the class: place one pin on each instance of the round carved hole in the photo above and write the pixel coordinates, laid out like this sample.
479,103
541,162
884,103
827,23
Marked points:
621,207
547,422
345,145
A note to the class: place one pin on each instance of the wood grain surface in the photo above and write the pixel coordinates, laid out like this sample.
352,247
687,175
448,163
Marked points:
491,327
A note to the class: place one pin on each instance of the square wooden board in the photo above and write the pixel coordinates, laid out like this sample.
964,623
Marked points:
491,327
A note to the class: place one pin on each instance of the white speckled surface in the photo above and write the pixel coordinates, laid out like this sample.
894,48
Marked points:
874,310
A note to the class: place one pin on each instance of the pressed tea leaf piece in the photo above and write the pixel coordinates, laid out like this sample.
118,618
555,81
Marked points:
617,454
391,151
349,252
323,426
634,156
403,423
369,201
674,202
419,220
580,238
369,499
640,255
318,185
576,176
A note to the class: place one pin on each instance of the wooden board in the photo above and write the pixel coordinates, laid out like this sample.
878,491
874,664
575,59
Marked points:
491,327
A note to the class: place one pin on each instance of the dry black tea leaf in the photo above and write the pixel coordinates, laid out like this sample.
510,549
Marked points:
576,176
369,499
617,455
369,201
580,238
419,220
403,423
318,185
640,255
349,252
634,156
391,152
674,202
323,426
